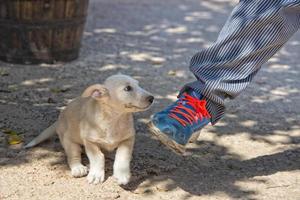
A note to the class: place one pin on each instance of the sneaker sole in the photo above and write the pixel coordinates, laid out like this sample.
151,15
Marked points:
175,147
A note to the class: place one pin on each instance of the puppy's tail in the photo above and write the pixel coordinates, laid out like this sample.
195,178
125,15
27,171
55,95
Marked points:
43,136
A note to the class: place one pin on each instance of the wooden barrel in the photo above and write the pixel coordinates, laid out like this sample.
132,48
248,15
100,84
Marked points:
41,31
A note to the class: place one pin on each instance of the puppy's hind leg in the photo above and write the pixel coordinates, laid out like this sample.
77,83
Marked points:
73,152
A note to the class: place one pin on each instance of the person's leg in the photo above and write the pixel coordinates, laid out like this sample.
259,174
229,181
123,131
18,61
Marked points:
254,32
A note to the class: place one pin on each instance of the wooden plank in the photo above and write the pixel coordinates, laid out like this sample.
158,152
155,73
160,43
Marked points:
85,8
79,31
17,9
26,7
3,10
48,9
10,14
58,39
16,41
70,9
37,12
59,9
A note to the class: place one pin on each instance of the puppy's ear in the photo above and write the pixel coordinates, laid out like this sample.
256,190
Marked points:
96,91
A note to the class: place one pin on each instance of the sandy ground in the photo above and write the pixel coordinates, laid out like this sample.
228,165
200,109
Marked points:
253,153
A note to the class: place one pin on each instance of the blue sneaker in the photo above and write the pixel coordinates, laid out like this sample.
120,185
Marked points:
175,125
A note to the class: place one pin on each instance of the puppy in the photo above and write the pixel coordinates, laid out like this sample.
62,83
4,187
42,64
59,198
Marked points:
101,119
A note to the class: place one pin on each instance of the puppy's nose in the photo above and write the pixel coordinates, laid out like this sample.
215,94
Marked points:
150,99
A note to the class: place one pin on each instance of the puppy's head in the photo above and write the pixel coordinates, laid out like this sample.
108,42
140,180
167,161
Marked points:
126,94
121,92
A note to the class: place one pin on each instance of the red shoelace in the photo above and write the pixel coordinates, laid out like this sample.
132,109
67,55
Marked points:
191,115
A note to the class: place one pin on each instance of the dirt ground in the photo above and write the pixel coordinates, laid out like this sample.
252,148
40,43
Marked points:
253,153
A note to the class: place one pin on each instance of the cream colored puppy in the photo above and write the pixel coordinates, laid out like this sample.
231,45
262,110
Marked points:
101,119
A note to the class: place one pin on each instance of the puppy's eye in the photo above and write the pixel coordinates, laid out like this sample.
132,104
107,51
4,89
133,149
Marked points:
128,88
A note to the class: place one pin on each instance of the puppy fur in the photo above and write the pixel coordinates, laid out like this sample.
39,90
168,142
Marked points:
100,120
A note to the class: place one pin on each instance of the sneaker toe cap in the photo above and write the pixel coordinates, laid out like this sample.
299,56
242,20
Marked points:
164,124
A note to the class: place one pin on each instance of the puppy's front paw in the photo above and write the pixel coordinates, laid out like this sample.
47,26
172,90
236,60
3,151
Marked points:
122,176
96,176
79,170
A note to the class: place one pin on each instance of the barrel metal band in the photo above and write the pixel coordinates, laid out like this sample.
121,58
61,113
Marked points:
42,24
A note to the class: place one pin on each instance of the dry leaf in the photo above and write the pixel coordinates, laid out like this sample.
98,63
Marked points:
172,73
13,137
3,72
13,88
59,90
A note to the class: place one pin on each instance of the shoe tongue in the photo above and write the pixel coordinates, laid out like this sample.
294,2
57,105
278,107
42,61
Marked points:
195,94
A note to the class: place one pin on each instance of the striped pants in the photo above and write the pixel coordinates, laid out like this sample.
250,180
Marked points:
254,32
